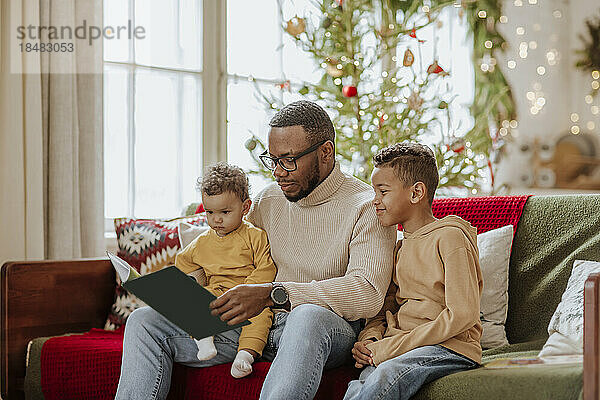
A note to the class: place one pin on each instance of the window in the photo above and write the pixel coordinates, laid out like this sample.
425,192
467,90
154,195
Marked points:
153,108
263,55
165,110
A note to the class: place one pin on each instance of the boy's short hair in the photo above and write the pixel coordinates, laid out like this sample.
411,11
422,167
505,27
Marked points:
223,177
412,163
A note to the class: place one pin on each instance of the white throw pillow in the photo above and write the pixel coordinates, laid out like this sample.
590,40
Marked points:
566,325
494,258
189,232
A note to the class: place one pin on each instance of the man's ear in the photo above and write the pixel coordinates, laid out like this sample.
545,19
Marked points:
327,152
418,193
246,206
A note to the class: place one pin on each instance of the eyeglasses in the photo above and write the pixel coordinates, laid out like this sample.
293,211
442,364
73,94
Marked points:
288,163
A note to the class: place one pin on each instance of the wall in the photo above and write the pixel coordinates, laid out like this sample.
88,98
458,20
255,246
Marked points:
546,29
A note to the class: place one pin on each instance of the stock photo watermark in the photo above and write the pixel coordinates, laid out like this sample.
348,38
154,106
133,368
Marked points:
62,43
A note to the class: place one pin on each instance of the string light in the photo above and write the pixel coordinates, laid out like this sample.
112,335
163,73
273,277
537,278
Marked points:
574,117
557,14
541,70
482,14
591,125
511,64
596,74
520,31
575,130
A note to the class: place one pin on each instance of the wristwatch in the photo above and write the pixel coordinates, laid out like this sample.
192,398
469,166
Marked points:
279,295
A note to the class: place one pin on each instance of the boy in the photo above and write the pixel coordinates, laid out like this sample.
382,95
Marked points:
230,253
429,325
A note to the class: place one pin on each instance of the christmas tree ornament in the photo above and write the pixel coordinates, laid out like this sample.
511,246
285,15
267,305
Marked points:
409,58
443,105
349,91
296,26
414,101
251,144
436,69
457,146
284,85
413,34
333,70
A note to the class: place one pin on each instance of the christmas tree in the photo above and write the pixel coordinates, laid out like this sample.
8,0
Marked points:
380,90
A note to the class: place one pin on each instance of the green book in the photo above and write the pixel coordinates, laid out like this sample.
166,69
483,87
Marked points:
176,296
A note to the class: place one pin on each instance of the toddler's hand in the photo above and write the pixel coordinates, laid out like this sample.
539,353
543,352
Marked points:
361,354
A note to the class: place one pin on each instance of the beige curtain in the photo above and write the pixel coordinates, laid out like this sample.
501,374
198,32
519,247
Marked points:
51,159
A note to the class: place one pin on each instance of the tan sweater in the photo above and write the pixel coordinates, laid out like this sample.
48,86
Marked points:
329,247
434,295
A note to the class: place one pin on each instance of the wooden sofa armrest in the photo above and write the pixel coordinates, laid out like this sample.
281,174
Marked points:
591,338
47,298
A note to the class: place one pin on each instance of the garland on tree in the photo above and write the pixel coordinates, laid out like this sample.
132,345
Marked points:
404,100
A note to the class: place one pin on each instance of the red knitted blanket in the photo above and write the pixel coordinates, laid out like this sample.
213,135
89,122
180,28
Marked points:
87,366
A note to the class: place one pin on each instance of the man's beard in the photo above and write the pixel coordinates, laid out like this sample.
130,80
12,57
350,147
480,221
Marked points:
313,182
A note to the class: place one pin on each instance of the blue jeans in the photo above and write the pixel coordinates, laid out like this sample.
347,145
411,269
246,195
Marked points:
403,376
300,344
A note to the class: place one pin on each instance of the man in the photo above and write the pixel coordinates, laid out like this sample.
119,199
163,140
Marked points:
334,264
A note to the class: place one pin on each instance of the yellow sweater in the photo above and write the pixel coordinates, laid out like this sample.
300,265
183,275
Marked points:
434,295
242,256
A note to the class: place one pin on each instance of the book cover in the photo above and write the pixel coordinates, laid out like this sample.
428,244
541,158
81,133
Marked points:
176,296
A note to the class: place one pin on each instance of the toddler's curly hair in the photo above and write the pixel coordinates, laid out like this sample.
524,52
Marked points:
223,177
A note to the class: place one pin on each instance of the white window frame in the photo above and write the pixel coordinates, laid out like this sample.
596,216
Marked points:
214,87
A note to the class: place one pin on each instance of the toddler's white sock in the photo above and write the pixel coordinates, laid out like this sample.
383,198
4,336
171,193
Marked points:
206,348
242,365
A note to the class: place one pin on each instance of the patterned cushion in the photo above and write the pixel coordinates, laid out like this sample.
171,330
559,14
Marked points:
147,245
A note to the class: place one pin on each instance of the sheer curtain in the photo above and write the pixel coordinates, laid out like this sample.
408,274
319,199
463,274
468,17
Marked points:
51,171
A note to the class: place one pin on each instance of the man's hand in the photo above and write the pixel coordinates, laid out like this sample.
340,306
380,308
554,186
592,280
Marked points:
242,302
361,354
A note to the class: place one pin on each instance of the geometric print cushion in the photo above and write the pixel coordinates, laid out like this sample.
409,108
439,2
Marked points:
147,245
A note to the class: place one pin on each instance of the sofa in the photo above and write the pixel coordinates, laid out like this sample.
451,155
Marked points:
50,298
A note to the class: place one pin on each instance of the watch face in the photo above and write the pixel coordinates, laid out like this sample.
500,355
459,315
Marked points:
279,295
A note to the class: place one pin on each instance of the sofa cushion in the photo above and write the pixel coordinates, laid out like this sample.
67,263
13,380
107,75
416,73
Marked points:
566,325
494,256
147,245
553,232
91,363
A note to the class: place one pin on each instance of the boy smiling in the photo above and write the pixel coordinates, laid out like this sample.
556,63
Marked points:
429,325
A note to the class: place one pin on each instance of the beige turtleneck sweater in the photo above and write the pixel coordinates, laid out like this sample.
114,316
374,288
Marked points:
434,295
329,247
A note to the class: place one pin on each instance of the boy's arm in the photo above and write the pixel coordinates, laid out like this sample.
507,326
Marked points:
265,269
375,327
184,261
463,290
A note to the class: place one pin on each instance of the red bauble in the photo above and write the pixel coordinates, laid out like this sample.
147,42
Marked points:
349,91
339,2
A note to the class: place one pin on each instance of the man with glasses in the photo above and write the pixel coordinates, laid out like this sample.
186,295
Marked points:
334,264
